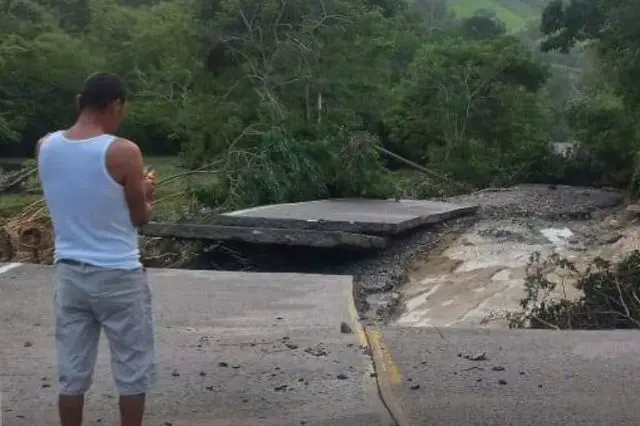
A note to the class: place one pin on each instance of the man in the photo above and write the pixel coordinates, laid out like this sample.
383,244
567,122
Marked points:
97,194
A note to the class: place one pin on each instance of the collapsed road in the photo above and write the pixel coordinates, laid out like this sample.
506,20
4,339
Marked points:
291,349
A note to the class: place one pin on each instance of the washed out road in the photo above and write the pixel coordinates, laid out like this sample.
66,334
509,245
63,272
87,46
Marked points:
287,349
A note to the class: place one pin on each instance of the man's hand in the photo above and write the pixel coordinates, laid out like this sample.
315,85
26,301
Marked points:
150,185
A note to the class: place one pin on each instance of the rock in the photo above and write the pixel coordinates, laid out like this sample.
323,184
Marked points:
498,368
342,376
611,238
317,351
202,374
291,346
28,344
631,212
476,357
502,382
223,364
175,373
345,329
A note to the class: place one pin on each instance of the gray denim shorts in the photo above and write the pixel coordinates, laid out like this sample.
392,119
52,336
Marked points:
89,299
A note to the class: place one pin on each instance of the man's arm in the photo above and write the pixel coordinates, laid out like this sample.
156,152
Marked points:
124,162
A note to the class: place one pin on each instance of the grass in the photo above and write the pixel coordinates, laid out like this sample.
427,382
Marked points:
172,198
514,13
12,204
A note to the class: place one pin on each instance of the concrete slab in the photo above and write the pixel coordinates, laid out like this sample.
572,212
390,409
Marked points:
518,378
234,349
348,215
261,235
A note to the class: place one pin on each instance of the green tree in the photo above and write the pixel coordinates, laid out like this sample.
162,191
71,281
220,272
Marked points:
473,108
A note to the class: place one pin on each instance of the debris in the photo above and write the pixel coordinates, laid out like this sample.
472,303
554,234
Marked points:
28,344
223,364
611,238
476,357
345,329
280,388
502,382
203,373
317,351
291,346
415,387
342,376
175,373
475,367
498,368
209,388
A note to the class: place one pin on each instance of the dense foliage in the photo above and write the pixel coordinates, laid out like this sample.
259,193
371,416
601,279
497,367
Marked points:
291,99
604,116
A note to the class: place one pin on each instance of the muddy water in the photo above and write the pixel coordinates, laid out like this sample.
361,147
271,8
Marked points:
477,278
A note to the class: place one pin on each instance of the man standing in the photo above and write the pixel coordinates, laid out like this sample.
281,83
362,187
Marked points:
97,194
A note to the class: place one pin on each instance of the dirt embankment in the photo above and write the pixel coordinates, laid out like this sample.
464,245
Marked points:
476,278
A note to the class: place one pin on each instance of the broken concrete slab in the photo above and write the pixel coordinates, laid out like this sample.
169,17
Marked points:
362,216
233,349
259,235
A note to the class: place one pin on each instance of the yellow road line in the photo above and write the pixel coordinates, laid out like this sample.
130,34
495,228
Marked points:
385,364
389,377
358,329
388,374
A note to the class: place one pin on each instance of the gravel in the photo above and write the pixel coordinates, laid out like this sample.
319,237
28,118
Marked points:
543,201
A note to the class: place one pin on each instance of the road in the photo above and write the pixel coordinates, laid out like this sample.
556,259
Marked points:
275,349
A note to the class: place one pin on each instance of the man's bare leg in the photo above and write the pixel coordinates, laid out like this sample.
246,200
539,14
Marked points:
132,409
70,408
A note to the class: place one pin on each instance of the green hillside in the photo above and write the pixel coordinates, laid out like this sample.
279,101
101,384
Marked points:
514,13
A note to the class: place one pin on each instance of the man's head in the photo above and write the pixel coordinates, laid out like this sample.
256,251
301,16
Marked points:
104,96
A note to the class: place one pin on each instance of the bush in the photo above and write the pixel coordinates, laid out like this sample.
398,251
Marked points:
610,300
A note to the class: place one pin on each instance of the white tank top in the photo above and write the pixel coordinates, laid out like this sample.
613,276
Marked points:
90,215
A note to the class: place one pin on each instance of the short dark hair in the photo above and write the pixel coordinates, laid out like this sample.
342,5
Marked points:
101,89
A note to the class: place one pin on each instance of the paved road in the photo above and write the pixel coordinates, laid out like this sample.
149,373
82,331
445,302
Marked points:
510,378
234,349
267,349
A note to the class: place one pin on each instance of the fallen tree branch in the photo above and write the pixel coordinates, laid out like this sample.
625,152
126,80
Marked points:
420,168
21,177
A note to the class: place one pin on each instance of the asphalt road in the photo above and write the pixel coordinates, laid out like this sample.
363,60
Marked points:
234,349
271,349
511,378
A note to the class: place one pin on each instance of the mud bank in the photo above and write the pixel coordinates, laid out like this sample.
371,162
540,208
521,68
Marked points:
475,279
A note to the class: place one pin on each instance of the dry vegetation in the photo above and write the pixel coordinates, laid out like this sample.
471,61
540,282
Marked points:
25,227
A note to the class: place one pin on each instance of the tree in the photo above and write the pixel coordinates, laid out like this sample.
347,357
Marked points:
473,108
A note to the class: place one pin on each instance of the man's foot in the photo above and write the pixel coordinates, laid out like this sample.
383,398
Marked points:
132,409
70,408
